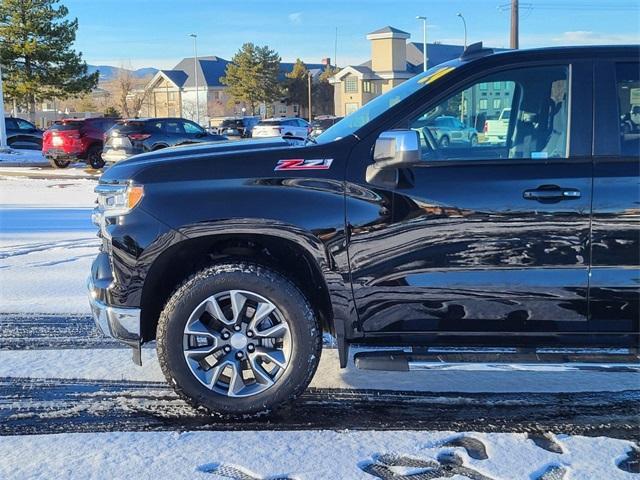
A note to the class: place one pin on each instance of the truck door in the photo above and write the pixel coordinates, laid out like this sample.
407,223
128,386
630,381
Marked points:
481,239
615,271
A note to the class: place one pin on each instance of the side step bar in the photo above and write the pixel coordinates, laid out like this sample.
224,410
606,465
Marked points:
402,361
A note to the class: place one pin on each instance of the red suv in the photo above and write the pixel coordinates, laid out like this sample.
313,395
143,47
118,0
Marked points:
74,139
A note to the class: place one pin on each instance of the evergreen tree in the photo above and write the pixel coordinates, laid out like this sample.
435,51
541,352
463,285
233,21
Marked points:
252,76
37,58
296,85
322,92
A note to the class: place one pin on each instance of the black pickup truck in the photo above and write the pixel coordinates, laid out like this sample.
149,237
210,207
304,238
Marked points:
235,257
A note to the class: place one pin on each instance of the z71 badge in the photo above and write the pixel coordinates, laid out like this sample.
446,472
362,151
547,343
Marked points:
302,164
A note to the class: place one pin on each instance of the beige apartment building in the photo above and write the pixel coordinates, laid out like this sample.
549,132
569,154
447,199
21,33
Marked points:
393,60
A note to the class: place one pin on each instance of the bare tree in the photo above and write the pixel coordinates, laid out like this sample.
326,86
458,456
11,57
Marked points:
130,93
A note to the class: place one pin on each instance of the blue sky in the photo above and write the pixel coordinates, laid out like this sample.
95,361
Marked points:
139,33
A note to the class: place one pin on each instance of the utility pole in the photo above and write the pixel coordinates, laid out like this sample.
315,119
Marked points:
195,74
515,27
425,57
3,130
309,85
335,50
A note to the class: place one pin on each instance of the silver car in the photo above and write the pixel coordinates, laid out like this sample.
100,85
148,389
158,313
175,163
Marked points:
448,130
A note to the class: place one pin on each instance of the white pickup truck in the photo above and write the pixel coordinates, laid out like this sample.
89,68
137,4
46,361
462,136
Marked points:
495,131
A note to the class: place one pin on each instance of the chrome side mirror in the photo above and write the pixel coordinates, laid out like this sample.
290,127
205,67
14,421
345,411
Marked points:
393,149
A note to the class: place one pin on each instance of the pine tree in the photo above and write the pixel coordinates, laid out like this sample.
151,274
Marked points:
37,58
252,76
296,85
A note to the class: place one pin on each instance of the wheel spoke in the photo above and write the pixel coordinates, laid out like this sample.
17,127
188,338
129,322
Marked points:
277,331
264,310
237,304
201,351
200,329
260,374
236,383
277,356
213,307
214,374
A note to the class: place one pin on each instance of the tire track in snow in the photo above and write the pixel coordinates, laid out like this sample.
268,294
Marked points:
34,406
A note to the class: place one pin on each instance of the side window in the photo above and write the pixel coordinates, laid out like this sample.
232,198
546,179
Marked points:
536,127
192,128
628,88
173,127
24,125
10,123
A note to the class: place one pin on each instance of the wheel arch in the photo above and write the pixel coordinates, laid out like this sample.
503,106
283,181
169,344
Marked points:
293,257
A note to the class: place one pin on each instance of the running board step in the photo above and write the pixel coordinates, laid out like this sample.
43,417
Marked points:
401,361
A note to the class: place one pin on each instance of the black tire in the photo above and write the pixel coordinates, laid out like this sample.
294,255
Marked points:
158,147
444,142
474,140
306,337
94,157
59,162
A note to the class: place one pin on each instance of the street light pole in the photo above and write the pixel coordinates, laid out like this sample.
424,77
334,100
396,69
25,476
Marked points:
309,85
195,74
464,22
3,130
462,105
425,58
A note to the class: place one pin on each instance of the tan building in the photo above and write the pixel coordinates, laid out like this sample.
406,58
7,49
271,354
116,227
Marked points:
393,60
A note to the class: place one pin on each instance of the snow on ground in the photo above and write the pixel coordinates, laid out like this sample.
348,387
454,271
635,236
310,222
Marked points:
116,364
22,157
32,192
47,244
312,455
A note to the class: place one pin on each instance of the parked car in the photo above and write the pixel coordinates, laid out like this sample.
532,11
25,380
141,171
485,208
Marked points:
282,127
449,130
134,136
321,123
238,127
22,134
74,139
236,257
495,131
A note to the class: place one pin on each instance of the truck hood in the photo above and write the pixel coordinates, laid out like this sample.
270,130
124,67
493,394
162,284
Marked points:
128,168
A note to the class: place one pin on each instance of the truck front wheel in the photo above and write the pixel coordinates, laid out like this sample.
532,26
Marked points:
238,339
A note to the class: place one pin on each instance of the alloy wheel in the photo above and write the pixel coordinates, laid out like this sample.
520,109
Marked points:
237,343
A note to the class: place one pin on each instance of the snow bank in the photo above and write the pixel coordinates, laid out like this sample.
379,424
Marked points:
300,455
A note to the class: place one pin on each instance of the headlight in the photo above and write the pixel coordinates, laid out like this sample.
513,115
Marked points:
115,200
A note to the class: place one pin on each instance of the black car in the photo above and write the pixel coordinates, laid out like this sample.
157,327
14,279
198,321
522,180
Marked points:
238,127
134,136
236,257
321,123
22,134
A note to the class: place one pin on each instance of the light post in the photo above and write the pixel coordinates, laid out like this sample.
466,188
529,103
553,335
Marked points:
3,131
425,58
309,87
195,74
462,106
464,22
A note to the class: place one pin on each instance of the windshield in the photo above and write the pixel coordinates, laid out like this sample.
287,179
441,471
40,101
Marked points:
376,107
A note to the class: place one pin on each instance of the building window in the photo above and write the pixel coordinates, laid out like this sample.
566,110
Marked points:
367,86
351,84
350,108
483,86
497,85
497,103
296,109
282,109
483,104
171,96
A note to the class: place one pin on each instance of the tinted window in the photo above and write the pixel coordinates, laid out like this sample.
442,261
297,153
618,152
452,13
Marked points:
173,127
270,123
10,123
628,89
538,128
129,127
